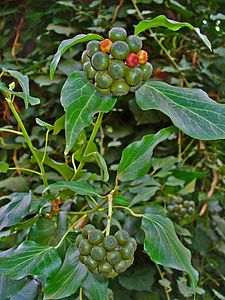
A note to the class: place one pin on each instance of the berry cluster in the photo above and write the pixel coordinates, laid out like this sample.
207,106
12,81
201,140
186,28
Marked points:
181,208
105,255
116,65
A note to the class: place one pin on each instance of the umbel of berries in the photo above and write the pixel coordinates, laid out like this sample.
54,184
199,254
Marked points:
181,208
117,65
105,255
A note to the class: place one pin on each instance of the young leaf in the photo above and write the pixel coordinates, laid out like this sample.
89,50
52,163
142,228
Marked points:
81,188
81,101
171,25
14,212
135,160
66,44
163,246
69,278
191,110
3,167
30,259
59,125
44,124
95,286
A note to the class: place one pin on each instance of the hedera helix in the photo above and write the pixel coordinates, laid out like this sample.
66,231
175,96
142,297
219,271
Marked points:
114,67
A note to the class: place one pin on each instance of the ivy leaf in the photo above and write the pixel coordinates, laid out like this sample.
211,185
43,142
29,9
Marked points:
30,258
66,44
96,287
14,212
69,278
3,167
9,286
81,102
44,124
171,25
81,188
191,110
135,160
28,292
163,246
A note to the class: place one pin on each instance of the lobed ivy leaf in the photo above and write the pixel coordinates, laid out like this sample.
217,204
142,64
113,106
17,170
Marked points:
81,188
191,110
30,258
66,44
69,278
81,102
163,246
14,211
135,160
171,25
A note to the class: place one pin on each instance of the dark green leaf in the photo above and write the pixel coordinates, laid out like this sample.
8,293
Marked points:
81,102
59,125
69,278
66,44
42,231
191,110
9,286
14,184
14,212
135,160
30,259
81,188
170,24
95,286
3,167
28,292
163,246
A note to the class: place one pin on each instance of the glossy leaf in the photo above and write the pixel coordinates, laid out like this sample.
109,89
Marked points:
81,188
81,102
69,278
66,44
135,160
191,110
30,258
59,125
163,246
14,212
9,287
171,25
96,287
28,292
3,167
44,124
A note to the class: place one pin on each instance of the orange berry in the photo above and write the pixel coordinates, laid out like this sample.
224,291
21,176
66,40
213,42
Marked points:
143,56
105,45
132,60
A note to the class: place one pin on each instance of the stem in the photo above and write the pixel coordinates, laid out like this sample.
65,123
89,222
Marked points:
162,277
88,212
11,131
130,211
91,140
68,230
81,293
25,170
110,211
46,146
29,143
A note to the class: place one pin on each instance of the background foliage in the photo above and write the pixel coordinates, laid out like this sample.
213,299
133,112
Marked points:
30,34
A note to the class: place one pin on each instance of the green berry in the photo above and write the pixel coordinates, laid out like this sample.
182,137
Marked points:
122,237
133,242
105,268
103,79
98,253
136,87
191,210
183,211
87,228
134,43
117,69
84,57
117,34
89,71
120,88
170,208
90,263
92,47
95,271
134,76
112,274
85,247
82,258
191,203
110,243
113,257
179,200
95,236
121,266
127,251
100,61
147,70
120,50
102,91
78,239
176,207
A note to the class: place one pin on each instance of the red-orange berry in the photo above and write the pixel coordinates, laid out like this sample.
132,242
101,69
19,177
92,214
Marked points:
132,60
105,45
143,56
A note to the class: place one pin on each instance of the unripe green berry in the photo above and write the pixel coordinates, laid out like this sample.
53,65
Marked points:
147,70
105,268
110,243
90,263
134,76
92,47
113,257
120,88
87,228
122,237
121,266
117,34
120,50
102,91
85,247
100,61
78,239
127,251
95,236
134,43
98,253
89,71
117,69
103,80
84,57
